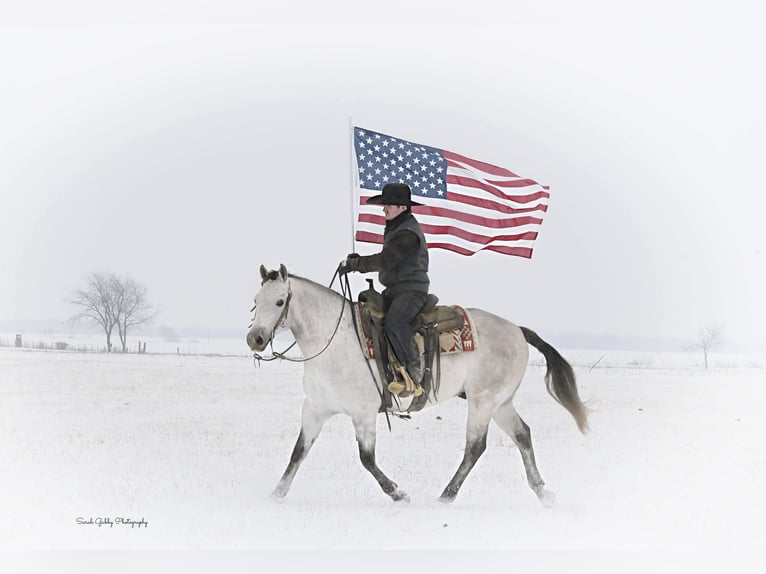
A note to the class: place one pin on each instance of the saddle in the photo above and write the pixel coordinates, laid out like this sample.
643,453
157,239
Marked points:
432,320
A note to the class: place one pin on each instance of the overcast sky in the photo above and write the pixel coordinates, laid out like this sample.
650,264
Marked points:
185,143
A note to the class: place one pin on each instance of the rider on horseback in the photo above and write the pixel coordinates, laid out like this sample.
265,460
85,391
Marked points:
403,270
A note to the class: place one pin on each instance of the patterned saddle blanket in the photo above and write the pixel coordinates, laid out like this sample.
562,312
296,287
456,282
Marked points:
461,340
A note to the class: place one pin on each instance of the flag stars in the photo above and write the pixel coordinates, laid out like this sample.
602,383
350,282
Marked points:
383,159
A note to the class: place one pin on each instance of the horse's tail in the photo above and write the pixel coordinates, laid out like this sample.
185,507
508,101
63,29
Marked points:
560,380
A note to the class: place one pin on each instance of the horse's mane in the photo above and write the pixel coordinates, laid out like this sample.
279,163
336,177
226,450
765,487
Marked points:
314,283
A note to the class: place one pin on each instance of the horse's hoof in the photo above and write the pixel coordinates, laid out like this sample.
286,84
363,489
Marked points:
446,499
399,496
279,493
546,497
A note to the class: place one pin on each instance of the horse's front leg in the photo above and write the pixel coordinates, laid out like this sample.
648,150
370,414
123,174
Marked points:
312,421
365,438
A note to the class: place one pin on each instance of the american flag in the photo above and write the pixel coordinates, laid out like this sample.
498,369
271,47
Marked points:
468,205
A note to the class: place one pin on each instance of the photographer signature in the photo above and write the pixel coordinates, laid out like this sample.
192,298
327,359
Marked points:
111,522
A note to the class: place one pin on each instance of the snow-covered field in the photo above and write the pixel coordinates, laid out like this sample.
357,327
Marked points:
193,445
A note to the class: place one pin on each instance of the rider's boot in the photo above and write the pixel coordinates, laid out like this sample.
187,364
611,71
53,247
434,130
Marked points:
411,378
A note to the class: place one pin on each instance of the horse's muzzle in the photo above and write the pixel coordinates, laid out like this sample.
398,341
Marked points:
257,341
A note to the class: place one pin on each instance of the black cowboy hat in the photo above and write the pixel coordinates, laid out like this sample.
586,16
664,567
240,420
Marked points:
394,194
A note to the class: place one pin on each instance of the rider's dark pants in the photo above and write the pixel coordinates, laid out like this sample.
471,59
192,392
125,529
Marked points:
401,311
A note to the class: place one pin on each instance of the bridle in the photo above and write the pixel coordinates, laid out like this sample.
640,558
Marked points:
346,297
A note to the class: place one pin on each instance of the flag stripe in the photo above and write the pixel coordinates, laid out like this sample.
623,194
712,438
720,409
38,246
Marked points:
525,252
473,237
497,206
474,183
463,247
465,240
476,164
431,229
460,216
469,205
508,182
374,226
535,194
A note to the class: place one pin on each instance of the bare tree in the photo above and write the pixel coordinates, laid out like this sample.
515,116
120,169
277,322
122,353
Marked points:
96,303
708,337
131,307
111,301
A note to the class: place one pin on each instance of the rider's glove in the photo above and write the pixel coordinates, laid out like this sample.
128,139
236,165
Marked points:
352,262
349,264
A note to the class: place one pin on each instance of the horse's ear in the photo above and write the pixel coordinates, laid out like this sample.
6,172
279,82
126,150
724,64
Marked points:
264,274
283,272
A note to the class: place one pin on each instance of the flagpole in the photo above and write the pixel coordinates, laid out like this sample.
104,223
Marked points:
351,181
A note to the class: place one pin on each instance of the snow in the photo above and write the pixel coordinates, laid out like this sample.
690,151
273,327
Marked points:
194,445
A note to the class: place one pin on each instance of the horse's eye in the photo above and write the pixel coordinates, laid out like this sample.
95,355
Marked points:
280,302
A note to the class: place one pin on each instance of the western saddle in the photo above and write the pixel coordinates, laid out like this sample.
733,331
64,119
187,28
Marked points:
432,320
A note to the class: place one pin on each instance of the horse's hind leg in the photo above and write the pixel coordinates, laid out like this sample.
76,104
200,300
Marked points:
365,438
312,421
475,444
509,420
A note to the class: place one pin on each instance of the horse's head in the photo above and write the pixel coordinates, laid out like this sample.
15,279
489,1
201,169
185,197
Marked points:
271,304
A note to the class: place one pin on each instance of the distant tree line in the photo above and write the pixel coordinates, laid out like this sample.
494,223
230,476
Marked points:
112,301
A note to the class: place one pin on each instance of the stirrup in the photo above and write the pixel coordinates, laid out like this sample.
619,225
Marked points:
399,389
407,387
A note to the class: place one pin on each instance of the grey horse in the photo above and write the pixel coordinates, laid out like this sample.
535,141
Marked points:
337,379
